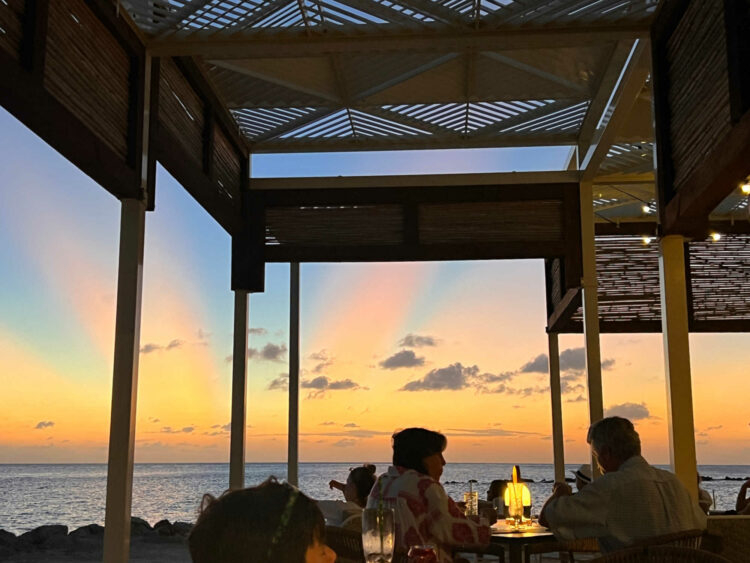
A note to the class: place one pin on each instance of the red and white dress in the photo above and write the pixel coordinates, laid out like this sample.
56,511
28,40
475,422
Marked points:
425,514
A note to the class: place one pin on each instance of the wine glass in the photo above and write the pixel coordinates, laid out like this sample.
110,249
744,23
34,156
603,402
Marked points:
378,534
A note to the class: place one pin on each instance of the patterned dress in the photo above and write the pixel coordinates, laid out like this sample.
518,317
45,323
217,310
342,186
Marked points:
425,514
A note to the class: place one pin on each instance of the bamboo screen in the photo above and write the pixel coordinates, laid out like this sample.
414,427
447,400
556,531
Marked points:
227,165
81,52
720,274
181,110
340,225
698,86
11,26
529,221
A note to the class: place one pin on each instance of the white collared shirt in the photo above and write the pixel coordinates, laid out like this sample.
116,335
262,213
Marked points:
622,507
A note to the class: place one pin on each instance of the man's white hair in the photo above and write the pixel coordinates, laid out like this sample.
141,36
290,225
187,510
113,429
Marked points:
618,434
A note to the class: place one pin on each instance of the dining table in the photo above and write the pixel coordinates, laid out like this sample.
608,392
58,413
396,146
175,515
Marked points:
515,539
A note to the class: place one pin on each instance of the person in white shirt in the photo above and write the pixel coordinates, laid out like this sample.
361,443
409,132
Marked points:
348,513
631,501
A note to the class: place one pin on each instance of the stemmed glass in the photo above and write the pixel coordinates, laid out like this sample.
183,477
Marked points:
378,534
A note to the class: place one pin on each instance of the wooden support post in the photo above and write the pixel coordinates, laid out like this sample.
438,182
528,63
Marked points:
239,392
293,452
591,310
558,446
674,315
124,382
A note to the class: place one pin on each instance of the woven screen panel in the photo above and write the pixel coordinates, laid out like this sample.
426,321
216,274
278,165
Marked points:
88,71
227,165
698,86
533,221
628,277
720,275
181,110
11,26
370,225
555,272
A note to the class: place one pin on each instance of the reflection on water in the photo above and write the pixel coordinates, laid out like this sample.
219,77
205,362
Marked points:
73,494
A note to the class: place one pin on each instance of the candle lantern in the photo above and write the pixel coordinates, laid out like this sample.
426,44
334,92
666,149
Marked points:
517,497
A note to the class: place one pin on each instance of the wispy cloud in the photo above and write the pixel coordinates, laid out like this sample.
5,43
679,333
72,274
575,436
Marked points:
319,385
44,424
152,347
280,383
631,411
540,364
259,331
417,341
452,377
270,352
184,430
322,360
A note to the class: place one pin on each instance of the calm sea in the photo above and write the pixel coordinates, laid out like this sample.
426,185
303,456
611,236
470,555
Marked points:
73,494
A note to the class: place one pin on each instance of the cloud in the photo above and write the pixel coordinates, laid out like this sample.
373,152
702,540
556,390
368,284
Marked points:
345,443
568,383
402,359
322,359
184,430
540,364
152,347
469,432
327,423
152,419
574,359
522,391
416,341
225,427
452,377
149,348
496,377
631,411
203,335
270,352
351,425
321,384
281,383
258,330
41,425
578,399
719,427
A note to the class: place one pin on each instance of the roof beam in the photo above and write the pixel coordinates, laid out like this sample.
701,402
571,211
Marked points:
232,45
631,83
603,91
534,71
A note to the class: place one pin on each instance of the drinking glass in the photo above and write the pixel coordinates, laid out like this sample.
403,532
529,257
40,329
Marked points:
471,500
378,534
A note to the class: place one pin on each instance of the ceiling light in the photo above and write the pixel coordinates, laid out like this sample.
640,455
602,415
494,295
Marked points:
647,239
745,187
646,209
716,237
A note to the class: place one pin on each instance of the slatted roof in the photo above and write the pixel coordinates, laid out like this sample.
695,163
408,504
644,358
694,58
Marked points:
326,75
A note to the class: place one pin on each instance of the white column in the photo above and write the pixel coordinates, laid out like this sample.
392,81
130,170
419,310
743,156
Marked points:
591,309
558,446
239,393
124,382
674,322
293,453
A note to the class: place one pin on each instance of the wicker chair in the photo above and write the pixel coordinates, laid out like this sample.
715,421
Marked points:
661,554
687,538
566,549
729,536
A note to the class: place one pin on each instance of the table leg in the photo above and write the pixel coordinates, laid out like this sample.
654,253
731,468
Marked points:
515,552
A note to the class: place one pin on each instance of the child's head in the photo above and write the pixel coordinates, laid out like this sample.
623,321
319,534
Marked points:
359,484
270,522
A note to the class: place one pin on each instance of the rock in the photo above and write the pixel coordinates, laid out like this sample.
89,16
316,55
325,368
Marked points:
182,528
90,531
42,534
7,539
139,527
164,528
59,543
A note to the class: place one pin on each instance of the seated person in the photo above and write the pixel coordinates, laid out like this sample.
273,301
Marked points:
519,490
631,501
268,523
425,514
704,498
348,514
743,502
583,476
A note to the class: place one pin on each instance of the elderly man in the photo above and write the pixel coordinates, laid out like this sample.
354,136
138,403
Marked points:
630,502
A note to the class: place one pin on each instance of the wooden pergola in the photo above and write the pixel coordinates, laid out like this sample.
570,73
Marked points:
199,86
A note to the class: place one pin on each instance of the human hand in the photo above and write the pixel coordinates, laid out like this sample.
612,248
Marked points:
562,490
332,483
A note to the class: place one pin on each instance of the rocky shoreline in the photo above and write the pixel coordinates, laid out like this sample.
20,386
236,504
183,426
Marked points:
164,542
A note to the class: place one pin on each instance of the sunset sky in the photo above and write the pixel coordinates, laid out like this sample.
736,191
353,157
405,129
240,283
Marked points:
459,347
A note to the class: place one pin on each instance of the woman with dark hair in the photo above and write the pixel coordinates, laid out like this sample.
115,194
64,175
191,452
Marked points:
268,523
425,514
348,514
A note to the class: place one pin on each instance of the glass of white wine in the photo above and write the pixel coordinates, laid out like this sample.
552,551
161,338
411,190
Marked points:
378,534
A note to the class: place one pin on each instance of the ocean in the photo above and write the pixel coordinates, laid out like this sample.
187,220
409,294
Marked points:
74,494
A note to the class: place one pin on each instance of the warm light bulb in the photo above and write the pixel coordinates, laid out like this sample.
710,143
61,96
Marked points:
647,240
745,187
716,237
646,209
